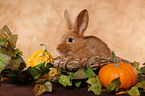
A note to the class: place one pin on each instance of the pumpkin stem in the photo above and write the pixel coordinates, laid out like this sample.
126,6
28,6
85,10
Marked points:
114,59
45,48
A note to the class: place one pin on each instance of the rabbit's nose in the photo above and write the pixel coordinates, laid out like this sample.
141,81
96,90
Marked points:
59,48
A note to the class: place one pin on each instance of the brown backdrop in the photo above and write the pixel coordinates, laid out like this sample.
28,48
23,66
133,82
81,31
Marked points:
120,23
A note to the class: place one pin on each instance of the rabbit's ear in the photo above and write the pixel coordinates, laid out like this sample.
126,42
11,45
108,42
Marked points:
81,22
68,20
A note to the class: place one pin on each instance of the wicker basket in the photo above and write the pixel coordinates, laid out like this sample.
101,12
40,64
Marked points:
76,63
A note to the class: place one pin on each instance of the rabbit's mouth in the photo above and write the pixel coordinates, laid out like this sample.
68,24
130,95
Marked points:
60,52
62,49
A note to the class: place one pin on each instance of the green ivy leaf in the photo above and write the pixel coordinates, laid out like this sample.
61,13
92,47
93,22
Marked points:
39,70
80,74
18,51
15,62
96,86
40,66
142,69
7,52
110,87
136,65
35,72
2,41
13,40
8,42
117,83
114,85
65,80
48,86
90,73
2,65
5,28
78,83
94,81
138,84
48,65
5,33
4,60
143,84
134,91
96,89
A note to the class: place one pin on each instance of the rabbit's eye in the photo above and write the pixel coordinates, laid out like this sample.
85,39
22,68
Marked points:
70,40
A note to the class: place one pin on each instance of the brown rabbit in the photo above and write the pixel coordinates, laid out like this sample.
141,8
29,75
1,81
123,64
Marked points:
75,44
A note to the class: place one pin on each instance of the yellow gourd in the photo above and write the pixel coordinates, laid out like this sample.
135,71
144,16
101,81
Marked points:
39,56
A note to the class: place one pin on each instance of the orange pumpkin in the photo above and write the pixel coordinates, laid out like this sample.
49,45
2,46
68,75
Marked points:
127,73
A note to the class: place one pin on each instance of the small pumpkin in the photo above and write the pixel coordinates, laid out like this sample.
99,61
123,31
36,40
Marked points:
39,56
127,73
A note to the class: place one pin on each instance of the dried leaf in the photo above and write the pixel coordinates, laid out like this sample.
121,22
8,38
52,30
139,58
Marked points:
43,79
39,89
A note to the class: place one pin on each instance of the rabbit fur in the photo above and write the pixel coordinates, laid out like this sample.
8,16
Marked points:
75,44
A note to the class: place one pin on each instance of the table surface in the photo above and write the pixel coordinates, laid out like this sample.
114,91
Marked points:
10,88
